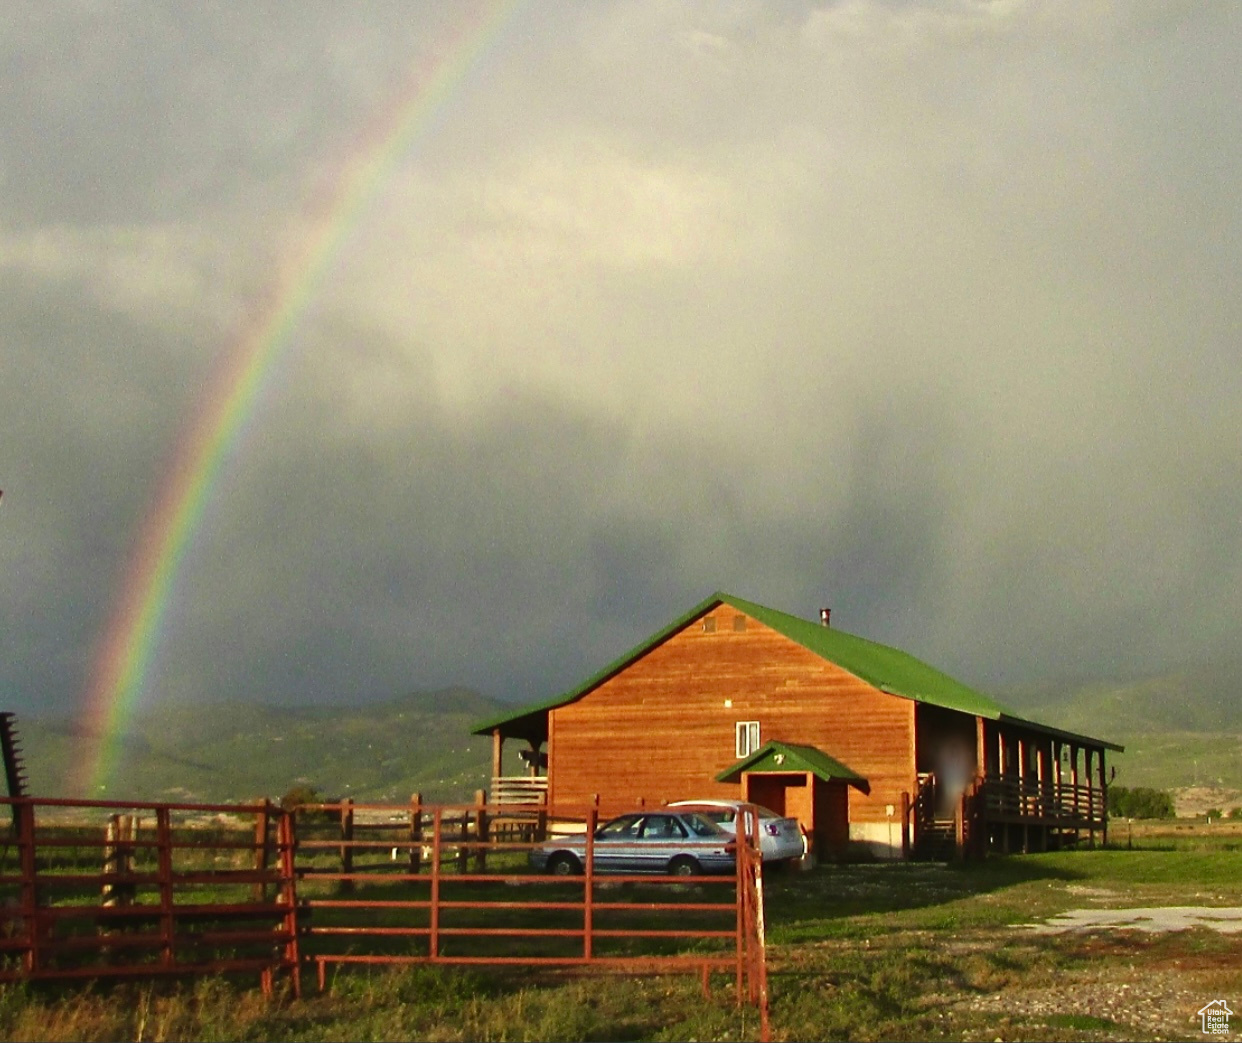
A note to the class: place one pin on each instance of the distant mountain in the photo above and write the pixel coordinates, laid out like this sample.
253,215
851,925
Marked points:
1180,729
237,751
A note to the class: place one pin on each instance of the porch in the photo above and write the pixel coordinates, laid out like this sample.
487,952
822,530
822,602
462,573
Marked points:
1033,788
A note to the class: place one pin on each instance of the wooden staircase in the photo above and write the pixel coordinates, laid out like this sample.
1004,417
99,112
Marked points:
935,837
935,841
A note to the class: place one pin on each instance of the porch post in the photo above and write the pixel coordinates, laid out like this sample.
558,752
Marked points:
1103,799
1022,808
1058,796
498,743
1086,762
980,749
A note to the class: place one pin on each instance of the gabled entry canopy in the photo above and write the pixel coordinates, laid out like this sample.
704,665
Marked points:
783,756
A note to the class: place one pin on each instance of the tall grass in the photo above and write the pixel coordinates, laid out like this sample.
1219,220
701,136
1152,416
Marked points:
419,1003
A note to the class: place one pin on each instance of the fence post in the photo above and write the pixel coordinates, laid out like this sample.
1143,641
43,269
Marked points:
347,847
24,820
462,858
286,840
741,939
262,837
588,886
481,828
433,938
119,836
416,832
163,837
541,819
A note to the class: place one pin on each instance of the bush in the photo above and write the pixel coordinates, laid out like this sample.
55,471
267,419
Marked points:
1139,802
299,795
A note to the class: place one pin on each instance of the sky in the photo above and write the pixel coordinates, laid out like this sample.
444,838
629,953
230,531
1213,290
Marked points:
927,312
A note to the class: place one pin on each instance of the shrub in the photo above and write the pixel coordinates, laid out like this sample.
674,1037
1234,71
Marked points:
1140,802
299,795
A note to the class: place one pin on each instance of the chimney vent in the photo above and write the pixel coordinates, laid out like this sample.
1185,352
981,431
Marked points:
824,613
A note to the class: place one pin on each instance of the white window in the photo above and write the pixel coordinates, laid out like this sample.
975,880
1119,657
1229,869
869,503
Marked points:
746,738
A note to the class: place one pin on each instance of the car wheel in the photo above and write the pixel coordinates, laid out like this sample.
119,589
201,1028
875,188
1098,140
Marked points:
684,865
564,865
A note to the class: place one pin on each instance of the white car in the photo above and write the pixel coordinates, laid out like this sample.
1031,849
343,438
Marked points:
779,838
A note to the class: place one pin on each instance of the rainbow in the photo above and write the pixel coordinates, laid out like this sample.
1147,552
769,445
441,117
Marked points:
132,635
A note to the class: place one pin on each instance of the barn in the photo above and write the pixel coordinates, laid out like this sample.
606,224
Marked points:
874,751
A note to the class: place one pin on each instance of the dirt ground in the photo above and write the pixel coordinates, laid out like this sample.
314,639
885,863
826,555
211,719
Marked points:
1191,801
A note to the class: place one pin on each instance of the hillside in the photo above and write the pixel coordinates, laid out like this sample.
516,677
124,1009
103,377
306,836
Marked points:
1181,730
235,751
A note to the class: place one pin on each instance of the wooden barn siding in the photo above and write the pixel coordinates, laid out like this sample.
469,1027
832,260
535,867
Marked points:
659,730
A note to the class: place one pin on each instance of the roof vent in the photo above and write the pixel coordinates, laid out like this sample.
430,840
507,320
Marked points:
824,613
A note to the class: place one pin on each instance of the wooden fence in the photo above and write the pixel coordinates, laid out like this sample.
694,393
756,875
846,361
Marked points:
102,889
155,889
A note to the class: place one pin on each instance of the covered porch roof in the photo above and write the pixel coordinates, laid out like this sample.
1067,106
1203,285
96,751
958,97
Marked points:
1073,738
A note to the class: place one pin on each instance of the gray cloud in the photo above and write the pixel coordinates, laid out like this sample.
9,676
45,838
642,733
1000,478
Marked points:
923,311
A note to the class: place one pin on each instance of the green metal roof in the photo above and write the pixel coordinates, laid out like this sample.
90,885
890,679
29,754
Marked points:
784,756
888,669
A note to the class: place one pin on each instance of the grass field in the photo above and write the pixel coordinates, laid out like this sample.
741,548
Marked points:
902,952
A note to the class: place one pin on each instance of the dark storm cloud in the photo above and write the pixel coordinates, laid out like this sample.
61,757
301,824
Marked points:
925,312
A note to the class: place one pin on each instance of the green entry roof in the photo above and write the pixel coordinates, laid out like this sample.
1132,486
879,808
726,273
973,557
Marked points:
784,756
888,669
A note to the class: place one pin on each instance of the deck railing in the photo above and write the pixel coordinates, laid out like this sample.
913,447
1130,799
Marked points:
1042,802
519,789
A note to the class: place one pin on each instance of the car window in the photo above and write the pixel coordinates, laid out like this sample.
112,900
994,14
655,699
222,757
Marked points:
619,828
663,827
701,825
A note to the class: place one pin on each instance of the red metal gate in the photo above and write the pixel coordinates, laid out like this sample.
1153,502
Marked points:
95,889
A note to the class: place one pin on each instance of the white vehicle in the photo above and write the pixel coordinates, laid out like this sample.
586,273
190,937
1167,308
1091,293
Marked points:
779,838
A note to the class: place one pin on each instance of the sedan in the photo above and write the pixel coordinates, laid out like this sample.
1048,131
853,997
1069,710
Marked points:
670,840
779,838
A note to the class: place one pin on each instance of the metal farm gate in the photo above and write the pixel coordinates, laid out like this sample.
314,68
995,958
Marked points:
105,889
